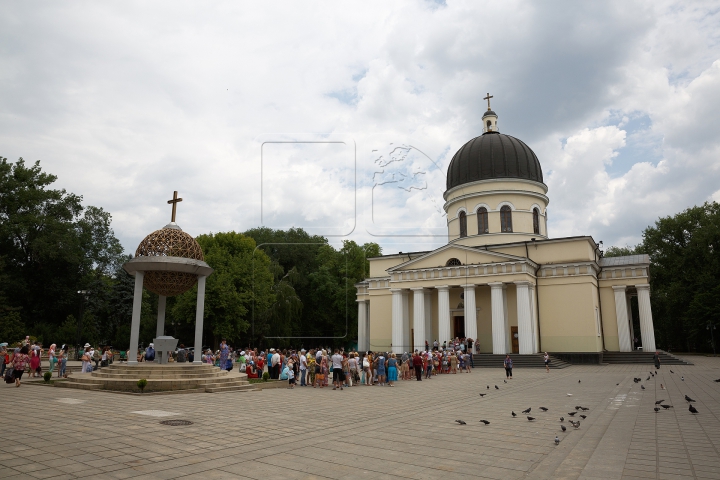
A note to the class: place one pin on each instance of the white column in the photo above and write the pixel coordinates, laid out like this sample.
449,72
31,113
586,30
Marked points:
362,325
533,314
508,339
525,330
647,329
498,301
135,324
161,316
622,318
406,340
199,316
470,312
628,302
367,326
443,314
428,318
397,320
418,319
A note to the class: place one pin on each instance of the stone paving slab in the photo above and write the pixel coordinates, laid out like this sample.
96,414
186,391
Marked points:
377,432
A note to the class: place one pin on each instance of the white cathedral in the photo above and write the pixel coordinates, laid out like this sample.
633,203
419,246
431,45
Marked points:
501,279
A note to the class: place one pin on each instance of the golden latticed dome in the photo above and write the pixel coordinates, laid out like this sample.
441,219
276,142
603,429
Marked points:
169,241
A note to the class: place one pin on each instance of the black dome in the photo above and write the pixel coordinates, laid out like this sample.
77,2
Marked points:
493,155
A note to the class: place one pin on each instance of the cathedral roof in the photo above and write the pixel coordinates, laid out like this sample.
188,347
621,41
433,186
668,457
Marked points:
493,155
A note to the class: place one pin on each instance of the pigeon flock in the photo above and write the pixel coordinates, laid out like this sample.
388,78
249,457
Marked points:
658,407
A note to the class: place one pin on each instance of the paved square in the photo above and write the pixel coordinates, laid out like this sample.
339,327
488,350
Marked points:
373,432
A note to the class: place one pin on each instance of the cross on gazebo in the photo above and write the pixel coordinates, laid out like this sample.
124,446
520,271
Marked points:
488,99
174,203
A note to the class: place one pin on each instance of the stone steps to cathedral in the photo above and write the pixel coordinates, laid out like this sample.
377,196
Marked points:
488,360
642,358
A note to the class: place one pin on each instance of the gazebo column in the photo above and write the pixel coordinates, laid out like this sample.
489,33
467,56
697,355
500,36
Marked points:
470,312
621,313
135,324
362,325
161,316
647,329
428,317
418,319
443,313
397,320
199,316
525,328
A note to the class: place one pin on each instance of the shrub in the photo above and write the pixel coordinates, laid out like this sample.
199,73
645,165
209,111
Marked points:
266,376
142,383
47,376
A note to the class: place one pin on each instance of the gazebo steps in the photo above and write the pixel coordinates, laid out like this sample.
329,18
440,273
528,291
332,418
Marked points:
160,378
535,360
642,358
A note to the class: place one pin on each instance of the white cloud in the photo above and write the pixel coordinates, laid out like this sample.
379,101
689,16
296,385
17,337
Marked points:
127,102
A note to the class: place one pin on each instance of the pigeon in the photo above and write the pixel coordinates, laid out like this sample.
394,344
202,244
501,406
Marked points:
583,417
514,414
485,422
504,381
688,399
578,381
584,409
461,422
497,388
648,378
572,414
576,424
483,394
666,406
642,386
717,381
557,440
562,419
656,409
682,378
671,371
527,411
577,407
530,418
617,384
543,409
563,427
662,387
655,372
659,401
692,409
569,394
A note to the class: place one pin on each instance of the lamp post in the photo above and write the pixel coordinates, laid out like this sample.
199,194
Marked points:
83,296
710,326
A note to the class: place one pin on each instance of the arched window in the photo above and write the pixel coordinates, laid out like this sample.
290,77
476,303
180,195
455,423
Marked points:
489,124
463,223
453,262
505,219
536,221
482,218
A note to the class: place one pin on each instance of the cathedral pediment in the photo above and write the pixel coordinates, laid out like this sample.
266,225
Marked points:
456,255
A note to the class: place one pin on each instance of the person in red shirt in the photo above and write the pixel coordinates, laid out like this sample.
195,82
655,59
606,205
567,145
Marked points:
418,365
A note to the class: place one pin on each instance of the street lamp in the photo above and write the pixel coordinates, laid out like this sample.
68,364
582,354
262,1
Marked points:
83,295
711,327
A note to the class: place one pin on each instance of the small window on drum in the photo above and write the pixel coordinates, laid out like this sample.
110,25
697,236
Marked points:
536,221
482,218
463,224
453,262
506,219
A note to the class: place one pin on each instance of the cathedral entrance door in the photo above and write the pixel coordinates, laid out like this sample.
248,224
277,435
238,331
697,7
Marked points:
514,337
459,324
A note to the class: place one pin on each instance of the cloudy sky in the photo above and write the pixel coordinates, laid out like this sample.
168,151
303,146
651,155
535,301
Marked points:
342,117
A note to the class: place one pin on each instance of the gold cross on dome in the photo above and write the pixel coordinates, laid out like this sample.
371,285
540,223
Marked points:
488,99
174,203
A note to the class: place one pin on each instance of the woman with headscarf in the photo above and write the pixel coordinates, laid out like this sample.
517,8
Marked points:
19,361
224,353
392,370
86,359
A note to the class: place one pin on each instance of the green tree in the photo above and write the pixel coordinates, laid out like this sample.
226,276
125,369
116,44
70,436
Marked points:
241,282
685,276
624,251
